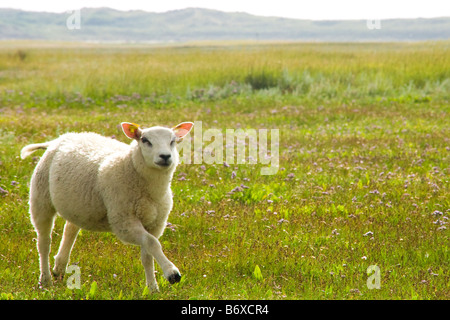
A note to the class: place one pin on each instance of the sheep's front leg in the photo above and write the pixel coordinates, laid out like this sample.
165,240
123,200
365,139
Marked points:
152,246
147,262
136,234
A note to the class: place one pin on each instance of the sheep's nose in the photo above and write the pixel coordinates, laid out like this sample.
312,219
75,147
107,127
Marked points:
165,157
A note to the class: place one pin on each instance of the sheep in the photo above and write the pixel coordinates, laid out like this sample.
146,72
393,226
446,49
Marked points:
101,184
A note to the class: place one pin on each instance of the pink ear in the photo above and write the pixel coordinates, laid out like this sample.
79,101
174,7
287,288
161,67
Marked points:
131,130
182,129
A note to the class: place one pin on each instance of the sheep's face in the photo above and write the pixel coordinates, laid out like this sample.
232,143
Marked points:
158,147
158,144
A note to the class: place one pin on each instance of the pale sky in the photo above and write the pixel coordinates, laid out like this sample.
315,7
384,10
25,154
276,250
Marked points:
300,9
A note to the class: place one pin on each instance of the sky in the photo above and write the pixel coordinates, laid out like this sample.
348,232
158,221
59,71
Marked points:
299,9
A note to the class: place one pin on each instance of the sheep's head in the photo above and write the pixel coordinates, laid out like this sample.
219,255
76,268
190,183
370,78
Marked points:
158,144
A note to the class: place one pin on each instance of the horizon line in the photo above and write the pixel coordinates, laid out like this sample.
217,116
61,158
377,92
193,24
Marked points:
216,10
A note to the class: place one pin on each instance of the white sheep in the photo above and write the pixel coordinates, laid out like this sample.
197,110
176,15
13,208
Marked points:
101,184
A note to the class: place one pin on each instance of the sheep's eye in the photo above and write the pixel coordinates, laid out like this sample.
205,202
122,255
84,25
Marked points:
145,140
172,143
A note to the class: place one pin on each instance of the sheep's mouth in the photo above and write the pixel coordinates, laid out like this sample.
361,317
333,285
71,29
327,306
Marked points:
164,164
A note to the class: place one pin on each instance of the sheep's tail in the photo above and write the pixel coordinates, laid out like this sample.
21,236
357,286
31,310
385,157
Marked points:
26,151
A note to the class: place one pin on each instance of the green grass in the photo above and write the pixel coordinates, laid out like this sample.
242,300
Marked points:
364,164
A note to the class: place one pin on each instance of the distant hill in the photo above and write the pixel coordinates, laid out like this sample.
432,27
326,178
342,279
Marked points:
105,24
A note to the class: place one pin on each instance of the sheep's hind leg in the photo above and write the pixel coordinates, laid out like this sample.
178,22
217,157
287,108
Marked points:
62,258
42,214
43,225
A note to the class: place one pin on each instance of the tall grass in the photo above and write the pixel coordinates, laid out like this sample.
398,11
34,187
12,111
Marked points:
300,70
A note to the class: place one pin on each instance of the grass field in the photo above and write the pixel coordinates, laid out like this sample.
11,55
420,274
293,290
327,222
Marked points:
363,178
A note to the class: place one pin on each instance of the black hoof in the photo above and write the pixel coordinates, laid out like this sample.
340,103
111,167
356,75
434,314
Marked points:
174,278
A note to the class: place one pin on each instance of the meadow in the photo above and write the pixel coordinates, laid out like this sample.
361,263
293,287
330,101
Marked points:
363,177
